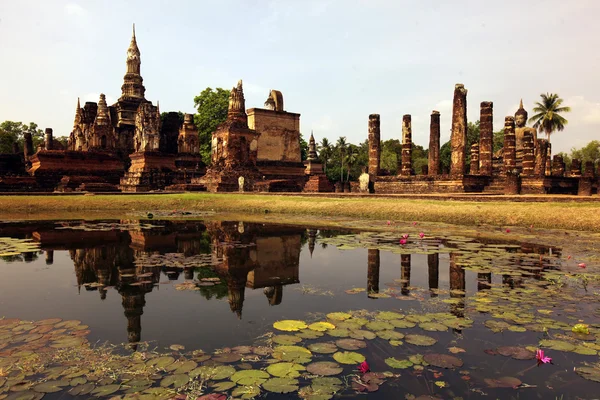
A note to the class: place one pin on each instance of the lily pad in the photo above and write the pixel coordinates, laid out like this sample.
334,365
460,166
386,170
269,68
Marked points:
250,377
360,334
350,344
433,326
286,339
216,373
420,340
389,334
378,326
281,385
105,390
285,370
348,357
290,325
339,332
443,360
518,353
398,364
589,373
321,326
325,368
339,316
389,315
50,386
323,347
402,323
557,345
246,392
295,354
503,382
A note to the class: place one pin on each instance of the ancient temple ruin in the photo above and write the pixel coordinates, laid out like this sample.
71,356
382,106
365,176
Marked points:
522,166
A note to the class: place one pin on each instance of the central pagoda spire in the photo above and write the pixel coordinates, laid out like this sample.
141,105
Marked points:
132,85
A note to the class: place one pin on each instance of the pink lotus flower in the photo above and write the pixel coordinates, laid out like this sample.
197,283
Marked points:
403,241
415,223
541,358
421,235
363,367
581,265
405,236
568,257
389,223
507,230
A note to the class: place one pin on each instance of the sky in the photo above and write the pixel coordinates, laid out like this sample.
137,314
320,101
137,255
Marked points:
335,61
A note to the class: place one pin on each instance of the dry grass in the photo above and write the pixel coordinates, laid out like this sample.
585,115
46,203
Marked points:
562,215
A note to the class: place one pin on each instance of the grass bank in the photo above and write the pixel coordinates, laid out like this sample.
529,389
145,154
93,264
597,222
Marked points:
561,215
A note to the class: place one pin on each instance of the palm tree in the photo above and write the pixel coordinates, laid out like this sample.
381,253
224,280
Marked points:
325,152
351,158
341,145
547,119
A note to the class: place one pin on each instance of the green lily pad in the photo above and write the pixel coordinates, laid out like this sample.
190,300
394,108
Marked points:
339,332
339,316
281,385
176,380
50,386
27,395
443,360
389,315
398,364
215,373
350,344
246,392
348,357
589,373
290,325
285,370
325,368
378,326
518,353
420,340
250,377
105,390
503,382
286,339
308,334
402,323
323,347
586,351
360,334
82,390
418,318
389,334
557,345
160,362
517,328
433,326
321,326
496,326
295,354
223,386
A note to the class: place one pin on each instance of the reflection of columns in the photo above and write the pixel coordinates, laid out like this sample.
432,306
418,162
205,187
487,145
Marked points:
274,294
235,295
484,281
312,238
433,265
405,274
373,264
49,257
188,273
457,282
134,303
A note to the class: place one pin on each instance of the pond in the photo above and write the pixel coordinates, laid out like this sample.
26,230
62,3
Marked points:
161,309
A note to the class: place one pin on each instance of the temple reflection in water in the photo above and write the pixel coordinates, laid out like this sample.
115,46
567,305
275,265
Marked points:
242,256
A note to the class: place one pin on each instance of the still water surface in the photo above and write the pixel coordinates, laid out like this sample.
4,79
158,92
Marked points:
215,284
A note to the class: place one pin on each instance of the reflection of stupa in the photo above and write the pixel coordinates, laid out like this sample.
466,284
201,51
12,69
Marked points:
255,257
373,265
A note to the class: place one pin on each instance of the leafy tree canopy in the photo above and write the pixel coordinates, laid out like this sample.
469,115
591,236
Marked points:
13,132
212,110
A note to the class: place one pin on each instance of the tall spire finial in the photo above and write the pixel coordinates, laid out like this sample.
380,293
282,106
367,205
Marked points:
521,104
134,30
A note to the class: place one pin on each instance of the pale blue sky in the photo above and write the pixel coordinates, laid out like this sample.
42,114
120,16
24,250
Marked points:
335,61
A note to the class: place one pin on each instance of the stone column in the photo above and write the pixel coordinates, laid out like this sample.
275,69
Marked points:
549,160
406,146
28,145
486,137
576,168
49,257
509,154
528,154
558,166
405,274
484,281
541,158
474,167
49,140
15,148
433,269
434,144
458,138
511,184
589,169
374,146
373,263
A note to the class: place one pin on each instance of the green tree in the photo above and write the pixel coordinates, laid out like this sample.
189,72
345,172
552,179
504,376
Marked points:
547,118
13,132
303,148
419,158
590,152
391,153
212,108
325,153
351,158
341,146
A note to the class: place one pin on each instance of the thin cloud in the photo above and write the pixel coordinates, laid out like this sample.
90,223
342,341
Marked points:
75,9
